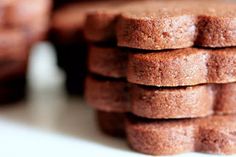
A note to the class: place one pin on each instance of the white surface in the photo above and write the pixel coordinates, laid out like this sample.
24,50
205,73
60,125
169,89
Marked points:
51,124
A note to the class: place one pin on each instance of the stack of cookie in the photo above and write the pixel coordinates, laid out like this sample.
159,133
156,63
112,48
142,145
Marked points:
23,23
168,69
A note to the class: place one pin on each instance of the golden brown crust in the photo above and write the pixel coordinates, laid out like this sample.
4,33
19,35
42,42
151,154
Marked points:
213,134
115,95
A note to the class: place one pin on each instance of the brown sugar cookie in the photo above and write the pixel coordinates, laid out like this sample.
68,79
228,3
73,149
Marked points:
170,25
157,25
213,134
169,68
116,95
111,123
183,67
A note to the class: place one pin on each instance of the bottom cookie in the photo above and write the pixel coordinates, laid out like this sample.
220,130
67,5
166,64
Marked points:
213,134
111,123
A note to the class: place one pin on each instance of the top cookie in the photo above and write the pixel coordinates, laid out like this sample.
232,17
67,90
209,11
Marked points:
157,25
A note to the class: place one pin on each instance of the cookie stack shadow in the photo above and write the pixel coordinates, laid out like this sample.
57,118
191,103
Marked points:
163,74
22,24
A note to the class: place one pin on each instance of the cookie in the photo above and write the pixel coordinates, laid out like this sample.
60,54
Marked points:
116,95
107,61
111,123
158,25
169,68
213,134
183,67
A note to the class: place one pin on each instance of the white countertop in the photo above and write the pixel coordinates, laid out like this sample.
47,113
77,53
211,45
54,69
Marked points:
51,124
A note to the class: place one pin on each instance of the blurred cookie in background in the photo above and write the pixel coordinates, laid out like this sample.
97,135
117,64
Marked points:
23,24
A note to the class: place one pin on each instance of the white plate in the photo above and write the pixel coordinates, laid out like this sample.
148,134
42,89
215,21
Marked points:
51,124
